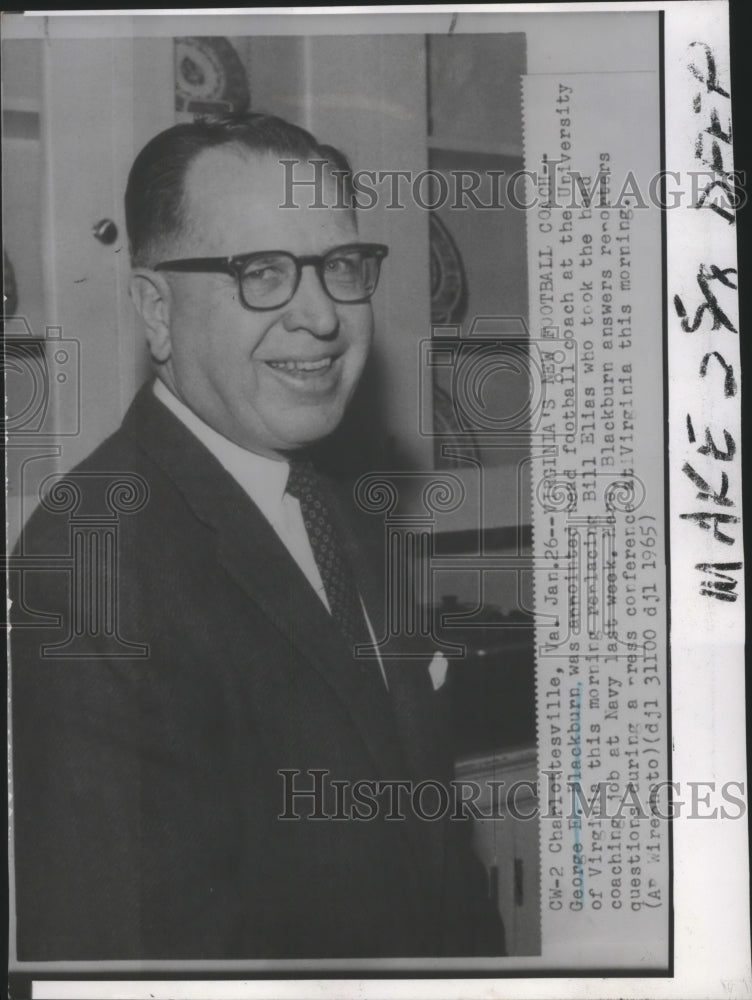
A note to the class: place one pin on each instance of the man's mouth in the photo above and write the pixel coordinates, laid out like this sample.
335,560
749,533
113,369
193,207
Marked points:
294,367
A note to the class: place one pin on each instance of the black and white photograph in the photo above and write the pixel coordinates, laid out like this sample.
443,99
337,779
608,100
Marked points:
374,508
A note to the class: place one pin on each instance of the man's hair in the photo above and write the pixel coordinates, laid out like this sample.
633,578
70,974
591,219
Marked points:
156,212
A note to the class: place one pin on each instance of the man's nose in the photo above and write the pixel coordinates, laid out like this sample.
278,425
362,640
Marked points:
311,309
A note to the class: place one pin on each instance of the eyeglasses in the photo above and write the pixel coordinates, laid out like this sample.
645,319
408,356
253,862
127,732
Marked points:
268,279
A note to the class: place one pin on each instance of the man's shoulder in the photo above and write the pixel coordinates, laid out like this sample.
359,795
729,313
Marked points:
117,477
118,453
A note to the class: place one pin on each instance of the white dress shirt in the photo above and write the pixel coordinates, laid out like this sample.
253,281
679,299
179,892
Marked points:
265,481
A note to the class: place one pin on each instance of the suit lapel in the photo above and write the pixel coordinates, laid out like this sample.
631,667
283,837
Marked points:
412,697
410,691
409,681
255,558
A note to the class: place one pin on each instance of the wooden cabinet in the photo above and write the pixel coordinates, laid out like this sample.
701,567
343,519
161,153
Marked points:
78,111
101,103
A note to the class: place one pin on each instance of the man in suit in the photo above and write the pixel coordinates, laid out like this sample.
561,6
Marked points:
162,753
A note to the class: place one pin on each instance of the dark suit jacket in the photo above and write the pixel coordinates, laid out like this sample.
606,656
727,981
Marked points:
147,788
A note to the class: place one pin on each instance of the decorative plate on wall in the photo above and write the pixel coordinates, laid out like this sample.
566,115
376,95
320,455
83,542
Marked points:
448,281
210,77
448,307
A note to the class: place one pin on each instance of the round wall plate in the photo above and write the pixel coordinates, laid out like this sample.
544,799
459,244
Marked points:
209,76
448,281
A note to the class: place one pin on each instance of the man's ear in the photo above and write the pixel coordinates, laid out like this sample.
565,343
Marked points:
152,297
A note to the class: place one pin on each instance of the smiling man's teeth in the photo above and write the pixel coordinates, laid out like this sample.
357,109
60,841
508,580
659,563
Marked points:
301,366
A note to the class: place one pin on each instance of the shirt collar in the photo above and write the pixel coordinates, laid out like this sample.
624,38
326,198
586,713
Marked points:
263,479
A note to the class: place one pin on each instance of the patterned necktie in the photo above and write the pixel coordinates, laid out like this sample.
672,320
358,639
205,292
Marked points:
329,551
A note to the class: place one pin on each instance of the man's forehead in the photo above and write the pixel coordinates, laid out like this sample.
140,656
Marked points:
232,174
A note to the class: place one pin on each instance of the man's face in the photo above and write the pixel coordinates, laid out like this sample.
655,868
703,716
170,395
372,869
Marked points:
242,371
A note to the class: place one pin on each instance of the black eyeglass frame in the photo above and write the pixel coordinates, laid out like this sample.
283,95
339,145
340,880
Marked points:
234,266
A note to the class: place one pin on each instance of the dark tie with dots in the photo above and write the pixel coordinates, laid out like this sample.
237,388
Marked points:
329,551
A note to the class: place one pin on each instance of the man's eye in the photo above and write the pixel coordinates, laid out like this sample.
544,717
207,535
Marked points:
263,272
343,265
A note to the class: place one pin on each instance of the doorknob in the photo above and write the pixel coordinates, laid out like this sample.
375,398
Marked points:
105,231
